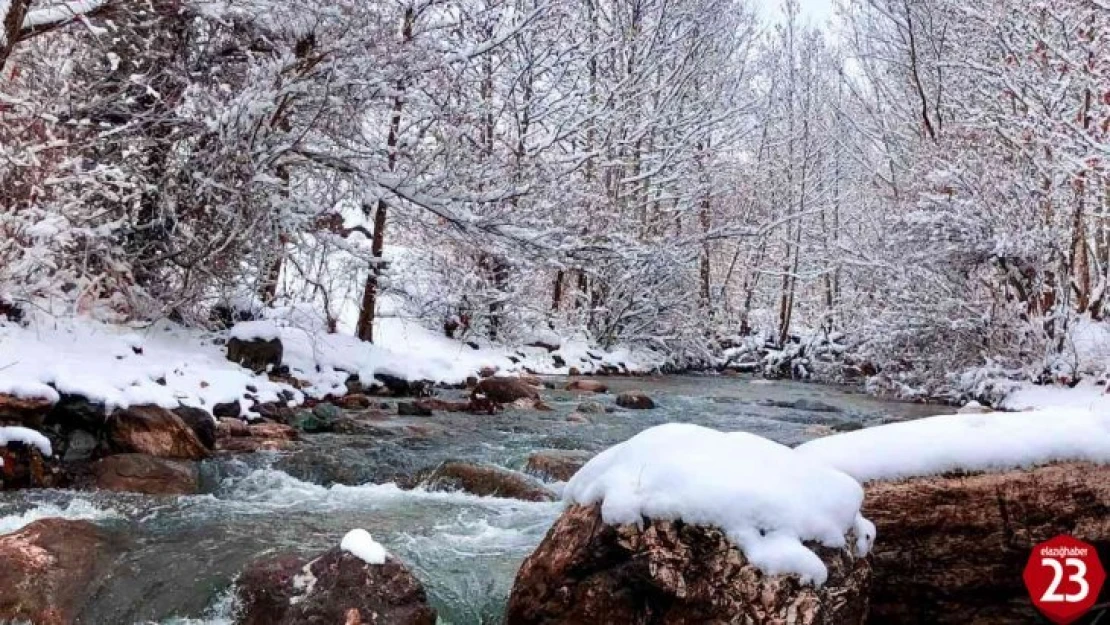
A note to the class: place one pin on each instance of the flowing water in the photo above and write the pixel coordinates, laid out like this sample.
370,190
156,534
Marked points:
179,555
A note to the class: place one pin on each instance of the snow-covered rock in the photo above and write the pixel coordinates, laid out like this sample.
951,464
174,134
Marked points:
336,587
672,572
967,442
771,502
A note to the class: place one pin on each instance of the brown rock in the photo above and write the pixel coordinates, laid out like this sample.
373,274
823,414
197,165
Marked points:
153,431
228,426
275,431
237,436
202,424
635,400
257,355
532,380
578,417
25,467
139,473
556,464
49,569
951,550
573,372
485,481
669,572
355,401
487,372
23,411
505,390
588,386
335,588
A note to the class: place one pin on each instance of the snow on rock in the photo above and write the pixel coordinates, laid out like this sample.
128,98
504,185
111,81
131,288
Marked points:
766,498
360,544
967,442
27,436
264,329
163,364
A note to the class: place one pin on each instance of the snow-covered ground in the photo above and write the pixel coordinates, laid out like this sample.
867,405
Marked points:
163,364
169,365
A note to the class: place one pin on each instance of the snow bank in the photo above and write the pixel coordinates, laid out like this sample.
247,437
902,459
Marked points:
27,436
360,544
766,498
967,442
163,364
1086,395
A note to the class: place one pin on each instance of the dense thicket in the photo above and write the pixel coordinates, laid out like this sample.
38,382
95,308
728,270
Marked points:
929,182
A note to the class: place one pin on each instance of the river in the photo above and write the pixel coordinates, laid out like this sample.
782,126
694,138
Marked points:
181,554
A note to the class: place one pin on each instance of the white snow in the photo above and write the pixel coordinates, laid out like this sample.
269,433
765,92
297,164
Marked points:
360,544
61,12
163,364
1086,394
27,436
967,442
766,498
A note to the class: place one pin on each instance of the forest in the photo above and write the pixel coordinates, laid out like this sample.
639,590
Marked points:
922,180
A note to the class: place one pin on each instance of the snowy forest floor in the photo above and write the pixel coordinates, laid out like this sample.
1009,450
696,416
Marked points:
169,365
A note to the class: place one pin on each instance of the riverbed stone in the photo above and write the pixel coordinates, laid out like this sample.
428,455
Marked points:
502,390
49,569
556,465
671,573
25,467
258,355
153,431
484,480
635,400
592,406
334,588
587,386
951,549
139,473
29,412
202,424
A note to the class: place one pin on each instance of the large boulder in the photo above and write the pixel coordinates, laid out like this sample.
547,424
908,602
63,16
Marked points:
153,431
505,390
951,549
485,481
258,355
335,588
49,569
670,572
139,473
635,400
556,464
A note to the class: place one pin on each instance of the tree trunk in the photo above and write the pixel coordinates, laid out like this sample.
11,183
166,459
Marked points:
364,329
